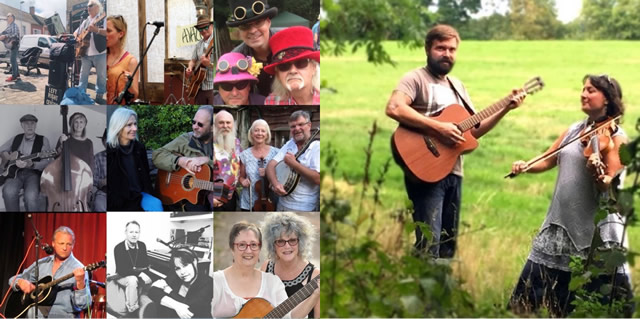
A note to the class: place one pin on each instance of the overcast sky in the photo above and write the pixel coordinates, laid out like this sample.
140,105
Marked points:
44,8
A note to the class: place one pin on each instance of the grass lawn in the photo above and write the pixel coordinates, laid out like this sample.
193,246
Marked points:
511,211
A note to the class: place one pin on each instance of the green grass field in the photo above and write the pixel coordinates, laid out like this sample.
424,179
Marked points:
511,210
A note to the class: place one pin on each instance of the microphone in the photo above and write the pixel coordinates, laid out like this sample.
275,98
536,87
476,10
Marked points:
47,249
162,242
158,24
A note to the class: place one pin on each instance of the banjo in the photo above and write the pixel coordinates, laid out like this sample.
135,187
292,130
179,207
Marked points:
288,177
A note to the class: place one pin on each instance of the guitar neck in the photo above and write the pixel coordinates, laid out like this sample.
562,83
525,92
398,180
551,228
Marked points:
285,307
484,114
208,53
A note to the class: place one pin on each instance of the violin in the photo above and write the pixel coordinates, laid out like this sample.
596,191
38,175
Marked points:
67,180
264,203
600,142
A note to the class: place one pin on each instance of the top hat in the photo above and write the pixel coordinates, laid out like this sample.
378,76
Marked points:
291,44
247,11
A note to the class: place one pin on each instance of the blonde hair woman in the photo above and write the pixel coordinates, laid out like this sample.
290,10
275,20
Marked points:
120,63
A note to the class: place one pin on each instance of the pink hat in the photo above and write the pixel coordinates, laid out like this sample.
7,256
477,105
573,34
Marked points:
290,44
234,66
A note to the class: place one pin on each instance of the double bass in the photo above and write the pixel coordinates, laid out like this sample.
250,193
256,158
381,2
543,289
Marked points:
67,180
263,203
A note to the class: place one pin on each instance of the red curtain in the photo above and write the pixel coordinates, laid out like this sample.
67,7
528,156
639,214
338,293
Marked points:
90,230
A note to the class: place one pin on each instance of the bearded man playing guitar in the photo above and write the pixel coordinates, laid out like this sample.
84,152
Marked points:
227,160
203,62
71,295
93,49
305,196
426,92
190,151
24,173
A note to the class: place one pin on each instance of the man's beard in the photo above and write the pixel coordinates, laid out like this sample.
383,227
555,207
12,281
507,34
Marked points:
297,76
438,67
205,137
226,141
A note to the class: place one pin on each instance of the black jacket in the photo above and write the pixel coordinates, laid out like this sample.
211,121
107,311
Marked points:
119,197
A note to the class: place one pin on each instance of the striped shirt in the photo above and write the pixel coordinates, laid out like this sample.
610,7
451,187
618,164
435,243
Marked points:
201,49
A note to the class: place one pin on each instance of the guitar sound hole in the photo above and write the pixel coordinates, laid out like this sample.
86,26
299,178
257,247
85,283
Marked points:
187,182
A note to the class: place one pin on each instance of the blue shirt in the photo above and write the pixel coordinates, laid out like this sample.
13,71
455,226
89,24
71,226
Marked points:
68,301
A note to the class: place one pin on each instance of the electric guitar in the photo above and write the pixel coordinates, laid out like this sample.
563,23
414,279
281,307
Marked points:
261,308
19,302
9,168
83,41
428,158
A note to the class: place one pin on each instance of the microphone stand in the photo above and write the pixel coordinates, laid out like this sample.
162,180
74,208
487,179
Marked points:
38,238
125,94
200,230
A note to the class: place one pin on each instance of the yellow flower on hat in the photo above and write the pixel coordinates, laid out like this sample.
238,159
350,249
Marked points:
255,67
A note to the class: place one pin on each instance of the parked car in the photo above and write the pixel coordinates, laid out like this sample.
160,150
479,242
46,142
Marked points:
39,40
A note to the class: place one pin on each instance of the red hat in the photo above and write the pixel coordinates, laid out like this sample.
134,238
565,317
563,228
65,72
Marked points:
291,44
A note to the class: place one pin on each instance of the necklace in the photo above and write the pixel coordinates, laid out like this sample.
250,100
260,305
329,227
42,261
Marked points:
133,263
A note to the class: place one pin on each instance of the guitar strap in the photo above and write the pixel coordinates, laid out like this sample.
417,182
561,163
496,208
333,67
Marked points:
462,98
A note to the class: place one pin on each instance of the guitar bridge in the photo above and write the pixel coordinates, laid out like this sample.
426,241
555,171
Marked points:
431,146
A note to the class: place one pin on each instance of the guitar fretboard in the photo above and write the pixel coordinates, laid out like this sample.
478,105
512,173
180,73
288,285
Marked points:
285,307
484,114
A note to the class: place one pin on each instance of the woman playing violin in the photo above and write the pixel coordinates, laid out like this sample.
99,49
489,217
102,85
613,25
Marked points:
251,170
583,179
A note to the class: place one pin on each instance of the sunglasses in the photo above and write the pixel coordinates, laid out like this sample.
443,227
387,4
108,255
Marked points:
196,122
227,86
224,66
300,64
90,6
281,242
257,8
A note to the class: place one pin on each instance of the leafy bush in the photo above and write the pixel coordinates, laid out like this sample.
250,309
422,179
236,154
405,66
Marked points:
160,124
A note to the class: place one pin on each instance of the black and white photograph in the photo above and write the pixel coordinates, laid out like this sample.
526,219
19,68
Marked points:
159,265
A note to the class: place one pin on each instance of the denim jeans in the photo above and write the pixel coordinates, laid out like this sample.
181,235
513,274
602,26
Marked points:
438,205
14,63
28,179
100,63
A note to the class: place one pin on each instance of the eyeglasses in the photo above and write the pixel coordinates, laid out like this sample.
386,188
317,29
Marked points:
294,126
300,64
228,86
196,122
243,246
241,65
281,242
91,5
240,12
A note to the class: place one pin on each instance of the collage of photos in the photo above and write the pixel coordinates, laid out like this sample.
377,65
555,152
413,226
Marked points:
160,158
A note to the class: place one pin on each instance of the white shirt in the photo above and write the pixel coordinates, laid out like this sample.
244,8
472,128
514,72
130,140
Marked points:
306,196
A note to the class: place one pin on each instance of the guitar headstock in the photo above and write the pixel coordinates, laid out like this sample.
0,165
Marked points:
95,266
534,85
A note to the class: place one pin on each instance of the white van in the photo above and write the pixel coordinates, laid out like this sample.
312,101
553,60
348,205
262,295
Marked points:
38,40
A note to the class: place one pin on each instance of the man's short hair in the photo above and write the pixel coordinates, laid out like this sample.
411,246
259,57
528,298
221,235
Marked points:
440,32
132,222
299,113
11,15
209,109
66,230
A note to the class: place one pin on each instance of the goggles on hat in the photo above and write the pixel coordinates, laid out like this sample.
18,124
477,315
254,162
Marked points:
240,12
241,66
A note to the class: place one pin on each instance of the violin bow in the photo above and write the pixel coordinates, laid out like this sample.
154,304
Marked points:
543,156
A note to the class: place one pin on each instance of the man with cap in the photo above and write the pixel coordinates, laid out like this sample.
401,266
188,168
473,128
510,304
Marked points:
11,37
235,76
296,66
253,19
28,175
100,177
205,93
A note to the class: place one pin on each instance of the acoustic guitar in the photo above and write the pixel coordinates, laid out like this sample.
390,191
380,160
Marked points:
9,169
19,302
428,158
198,74
83,41
175,186
11,41
261,308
